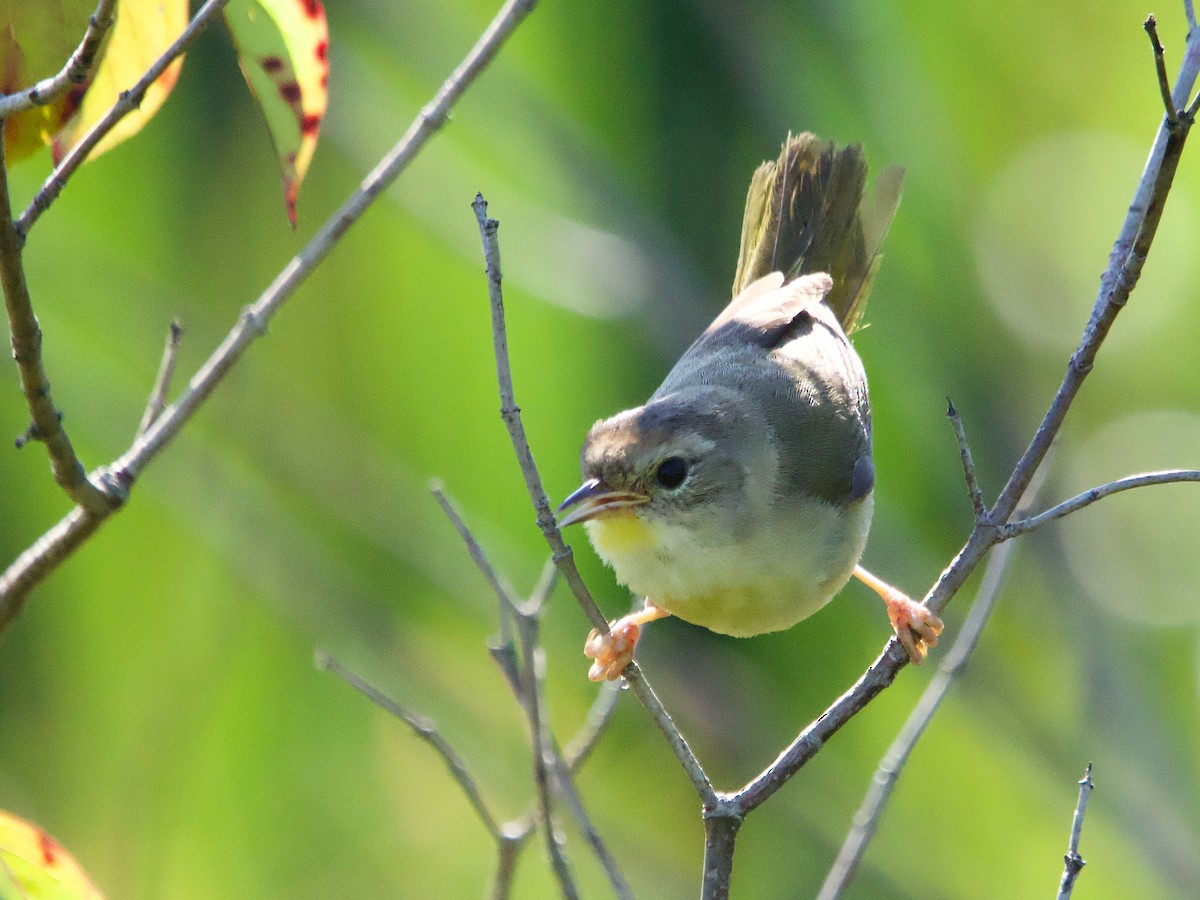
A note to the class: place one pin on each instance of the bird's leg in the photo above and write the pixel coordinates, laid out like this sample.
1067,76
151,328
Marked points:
915,626
612,652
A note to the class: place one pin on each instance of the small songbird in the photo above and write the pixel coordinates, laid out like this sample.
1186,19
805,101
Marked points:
739,496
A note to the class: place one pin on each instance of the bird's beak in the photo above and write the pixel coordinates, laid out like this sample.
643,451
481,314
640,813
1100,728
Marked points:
595,498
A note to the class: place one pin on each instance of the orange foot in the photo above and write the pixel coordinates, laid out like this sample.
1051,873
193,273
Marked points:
916,627
612,652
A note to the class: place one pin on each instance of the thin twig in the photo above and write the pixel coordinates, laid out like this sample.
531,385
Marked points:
424,728
1073,863
580,747
528,684
474,549
510,413
968,463
518,831
1160,66
1088,497
162,383
73,73
561,553
62,540
126,103
1117,282
866,819
533,679
26,335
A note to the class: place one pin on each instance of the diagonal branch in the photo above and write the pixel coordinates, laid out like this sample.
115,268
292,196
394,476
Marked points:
561,553
73,73
26,336
424,728
1119,278
866,819
62,540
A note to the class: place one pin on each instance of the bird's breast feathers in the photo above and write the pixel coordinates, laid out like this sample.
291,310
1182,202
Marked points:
763,581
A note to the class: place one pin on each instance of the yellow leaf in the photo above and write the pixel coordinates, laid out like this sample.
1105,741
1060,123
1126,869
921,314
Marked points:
33,864
36,39
144,30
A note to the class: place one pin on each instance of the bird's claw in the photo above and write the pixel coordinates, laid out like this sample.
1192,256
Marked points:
611,652
916,627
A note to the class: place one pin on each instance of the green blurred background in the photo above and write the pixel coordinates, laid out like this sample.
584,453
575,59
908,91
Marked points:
159,711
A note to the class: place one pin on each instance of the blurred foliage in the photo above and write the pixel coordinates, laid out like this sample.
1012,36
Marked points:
159,712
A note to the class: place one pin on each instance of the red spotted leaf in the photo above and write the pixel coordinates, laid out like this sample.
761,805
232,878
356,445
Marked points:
283,49
33,864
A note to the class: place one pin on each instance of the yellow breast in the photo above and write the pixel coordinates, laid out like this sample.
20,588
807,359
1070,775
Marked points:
766,582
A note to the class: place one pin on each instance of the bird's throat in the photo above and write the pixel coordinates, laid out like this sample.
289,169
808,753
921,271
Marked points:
619,534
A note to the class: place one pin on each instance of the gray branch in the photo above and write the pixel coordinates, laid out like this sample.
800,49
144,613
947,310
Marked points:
1073,863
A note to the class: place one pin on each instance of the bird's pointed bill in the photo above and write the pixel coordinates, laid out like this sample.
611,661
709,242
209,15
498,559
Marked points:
595,498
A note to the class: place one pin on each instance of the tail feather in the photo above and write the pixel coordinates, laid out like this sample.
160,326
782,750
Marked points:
808,212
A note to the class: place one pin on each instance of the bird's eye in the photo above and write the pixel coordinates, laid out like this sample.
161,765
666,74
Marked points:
671,472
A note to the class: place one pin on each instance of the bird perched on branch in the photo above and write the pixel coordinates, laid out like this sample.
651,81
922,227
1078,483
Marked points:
739,496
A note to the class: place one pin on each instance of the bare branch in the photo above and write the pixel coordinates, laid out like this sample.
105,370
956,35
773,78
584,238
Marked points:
1118,280
40,559
561,553
510,413
474,549
1160,66
126,103
424,728
968,463
580,747
162,382
26,336
866,819
73,73
1073,863
58,543
533,681
1088,497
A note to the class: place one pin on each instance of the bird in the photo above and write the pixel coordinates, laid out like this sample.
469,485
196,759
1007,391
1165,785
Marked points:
739,496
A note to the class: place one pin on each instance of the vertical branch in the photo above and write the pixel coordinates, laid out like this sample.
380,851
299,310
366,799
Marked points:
561,553
1073,863
720,833
46,420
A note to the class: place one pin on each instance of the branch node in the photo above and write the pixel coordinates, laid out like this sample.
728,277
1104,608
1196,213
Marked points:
29,435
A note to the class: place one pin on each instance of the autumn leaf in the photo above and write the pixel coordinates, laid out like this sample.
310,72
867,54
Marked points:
143,31
282,46
33,864
36,39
